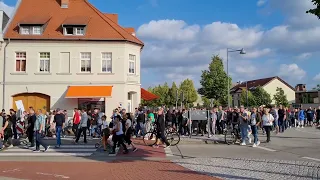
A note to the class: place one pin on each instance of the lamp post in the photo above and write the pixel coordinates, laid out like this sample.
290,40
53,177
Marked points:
241,51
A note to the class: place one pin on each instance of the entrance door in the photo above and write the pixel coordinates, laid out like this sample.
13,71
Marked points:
36,100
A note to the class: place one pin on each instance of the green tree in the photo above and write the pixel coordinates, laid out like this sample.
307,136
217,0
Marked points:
189,92
206,102
251,99
173,94
315,11
214,81
317,87
261,96
280,97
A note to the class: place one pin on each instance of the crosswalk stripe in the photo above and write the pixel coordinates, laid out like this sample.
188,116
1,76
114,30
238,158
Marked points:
33,154
51,150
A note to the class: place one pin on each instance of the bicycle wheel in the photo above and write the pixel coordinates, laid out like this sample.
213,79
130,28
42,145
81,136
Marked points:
173,138
150,138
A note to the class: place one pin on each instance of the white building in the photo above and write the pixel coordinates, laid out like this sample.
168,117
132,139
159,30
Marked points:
67,55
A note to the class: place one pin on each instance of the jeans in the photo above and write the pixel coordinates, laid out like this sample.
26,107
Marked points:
213,127
75,129
94,130
58,134
31,137
254,130
139,126
281,126
244,132
118,139
39,141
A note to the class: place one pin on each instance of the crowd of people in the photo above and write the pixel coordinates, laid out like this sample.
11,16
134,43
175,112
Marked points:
123,125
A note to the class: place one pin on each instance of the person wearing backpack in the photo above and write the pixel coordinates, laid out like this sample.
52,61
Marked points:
140,121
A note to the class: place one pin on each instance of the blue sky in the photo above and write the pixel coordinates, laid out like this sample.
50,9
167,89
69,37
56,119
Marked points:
181,35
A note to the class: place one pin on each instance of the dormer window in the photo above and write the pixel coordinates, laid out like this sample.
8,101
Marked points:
73,31
30,30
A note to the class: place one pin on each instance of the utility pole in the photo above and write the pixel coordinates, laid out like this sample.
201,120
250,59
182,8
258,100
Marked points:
177,99
182,99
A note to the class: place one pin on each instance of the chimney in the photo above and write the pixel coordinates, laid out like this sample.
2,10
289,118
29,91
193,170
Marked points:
131,31
113,17
64,4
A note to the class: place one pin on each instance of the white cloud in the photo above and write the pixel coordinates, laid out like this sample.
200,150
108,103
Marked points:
317,77
261,2
304,56
175,43
291,71
7,9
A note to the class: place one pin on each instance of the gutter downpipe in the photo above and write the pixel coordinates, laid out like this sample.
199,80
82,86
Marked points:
4,74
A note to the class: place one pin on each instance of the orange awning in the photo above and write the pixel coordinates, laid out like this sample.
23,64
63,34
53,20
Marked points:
148,96
89,91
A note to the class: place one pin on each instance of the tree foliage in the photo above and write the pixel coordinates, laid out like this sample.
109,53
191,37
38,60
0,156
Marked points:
317,87
251,99
214,81
261,96
280,97
168,94
315,11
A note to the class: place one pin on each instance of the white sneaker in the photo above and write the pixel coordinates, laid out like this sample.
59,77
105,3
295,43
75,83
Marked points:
250,140
11,146
258,143
302,127
298,126
254,145
243,144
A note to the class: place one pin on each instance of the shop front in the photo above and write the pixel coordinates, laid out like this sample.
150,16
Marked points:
90,97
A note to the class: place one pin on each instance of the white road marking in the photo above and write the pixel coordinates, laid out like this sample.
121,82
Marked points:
55,175
117,150
168,151
11,170
51,150
267,149
310,158
42,154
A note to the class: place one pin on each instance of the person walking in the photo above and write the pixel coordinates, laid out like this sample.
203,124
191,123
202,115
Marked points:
14,123
267,120
244,126
59,120
39,128
301,118
30,128
161,125
83,126
255,119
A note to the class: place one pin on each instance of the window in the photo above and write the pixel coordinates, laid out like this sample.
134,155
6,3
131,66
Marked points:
106,61
36,30
132,64
21,61
70,30
85,62
44,62
25,30
79,31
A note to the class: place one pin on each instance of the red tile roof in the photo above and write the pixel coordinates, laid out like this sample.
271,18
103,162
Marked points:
148,96
76,20
113,17
259,82
99,27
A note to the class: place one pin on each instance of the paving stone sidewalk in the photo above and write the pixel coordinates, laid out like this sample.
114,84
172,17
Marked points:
254,169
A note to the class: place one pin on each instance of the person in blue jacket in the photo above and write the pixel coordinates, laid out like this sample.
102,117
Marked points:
301,117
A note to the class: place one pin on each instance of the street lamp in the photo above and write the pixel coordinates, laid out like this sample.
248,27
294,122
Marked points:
241,51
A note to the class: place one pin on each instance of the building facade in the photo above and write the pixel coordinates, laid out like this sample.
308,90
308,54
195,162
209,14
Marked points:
270,85
306,98
67,54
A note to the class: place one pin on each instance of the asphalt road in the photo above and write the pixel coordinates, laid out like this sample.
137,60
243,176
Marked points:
290,155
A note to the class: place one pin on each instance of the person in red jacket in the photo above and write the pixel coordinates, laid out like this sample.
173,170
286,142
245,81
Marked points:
76,121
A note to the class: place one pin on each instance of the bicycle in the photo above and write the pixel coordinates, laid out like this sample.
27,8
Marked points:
151,138
231,134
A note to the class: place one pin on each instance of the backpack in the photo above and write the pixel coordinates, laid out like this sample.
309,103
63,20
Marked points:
141,117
